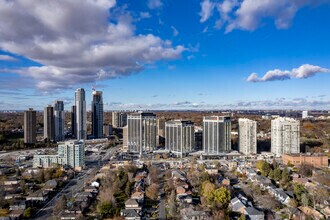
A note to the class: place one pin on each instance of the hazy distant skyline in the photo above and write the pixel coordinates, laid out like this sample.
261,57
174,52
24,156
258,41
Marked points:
166,54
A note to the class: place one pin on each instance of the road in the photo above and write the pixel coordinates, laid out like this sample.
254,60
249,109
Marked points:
75,185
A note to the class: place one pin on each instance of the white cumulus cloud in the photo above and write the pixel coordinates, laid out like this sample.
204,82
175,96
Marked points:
251,14
75,43
302,72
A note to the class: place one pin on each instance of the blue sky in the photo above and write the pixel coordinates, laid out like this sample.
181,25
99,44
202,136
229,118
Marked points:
165,54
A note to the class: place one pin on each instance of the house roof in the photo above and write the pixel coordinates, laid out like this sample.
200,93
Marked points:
130,213
253,211
131,202
236,204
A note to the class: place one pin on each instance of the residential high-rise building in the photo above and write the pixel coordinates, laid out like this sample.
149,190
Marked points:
179,137
216,134
59,120
69,153
119,119
49,123
161,131
198,139
81,116
141,135
247,136
97,114
73,121
72,153
285,134
30,124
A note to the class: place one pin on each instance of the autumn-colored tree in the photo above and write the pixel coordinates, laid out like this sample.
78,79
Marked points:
207,190
27,213
264,167
152,191
221,198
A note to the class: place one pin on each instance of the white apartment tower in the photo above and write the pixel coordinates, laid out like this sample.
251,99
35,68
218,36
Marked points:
72,153
304,114
59,120
216,134
247,136
81,116
141,132
285,136
179,137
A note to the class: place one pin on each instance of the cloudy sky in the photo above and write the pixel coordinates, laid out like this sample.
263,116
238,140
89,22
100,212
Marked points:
166,54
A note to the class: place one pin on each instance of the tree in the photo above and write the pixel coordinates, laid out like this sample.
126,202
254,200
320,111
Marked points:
152,191
293,204
264,167
105,209
128,188
242,217
271,174
27,213
221,197
207,190
4,212
277,174
298,190
304,199
318,195
306,170
285,176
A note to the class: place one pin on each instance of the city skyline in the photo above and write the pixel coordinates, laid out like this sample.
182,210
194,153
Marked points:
213,57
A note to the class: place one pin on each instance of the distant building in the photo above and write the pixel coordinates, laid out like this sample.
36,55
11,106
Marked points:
59,120
119,119
107,130
161,131
30,124
285,134
267,117
49,123
198,139
125,138
97,114
73,121
141,132
247,136
69,153
179,137
316,160
81,115
304,114
216,134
